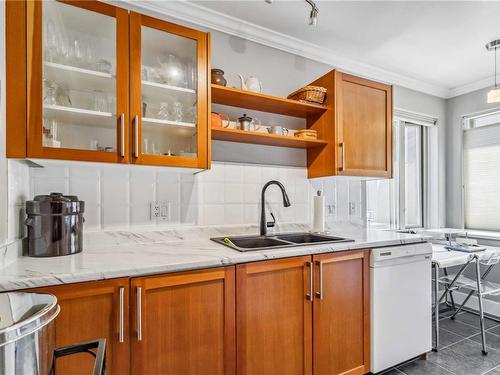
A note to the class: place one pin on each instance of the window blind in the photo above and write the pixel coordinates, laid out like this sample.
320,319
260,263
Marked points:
482,177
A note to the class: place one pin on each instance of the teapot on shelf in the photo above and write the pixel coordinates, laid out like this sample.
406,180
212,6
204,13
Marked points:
250,84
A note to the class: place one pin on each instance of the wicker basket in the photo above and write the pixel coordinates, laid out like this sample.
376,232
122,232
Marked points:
309,94
306,133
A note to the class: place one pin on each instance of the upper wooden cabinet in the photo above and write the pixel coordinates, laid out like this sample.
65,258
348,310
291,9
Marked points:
77,81
357,126
364,126
103,84
168,93
183,323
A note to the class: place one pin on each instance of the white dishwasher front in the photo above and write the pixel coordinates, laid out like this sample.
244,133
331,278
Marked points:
401,298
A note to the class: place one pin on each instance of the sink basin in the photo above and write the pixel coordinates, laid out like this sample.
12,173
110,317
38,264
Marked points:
256,242
303,238
250,243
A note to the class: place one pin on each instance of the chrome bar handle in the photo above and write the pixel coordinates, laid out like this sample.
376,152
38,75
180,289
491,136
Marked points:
139,314
136,136
121,336
122,135
310,295
342,166
320,293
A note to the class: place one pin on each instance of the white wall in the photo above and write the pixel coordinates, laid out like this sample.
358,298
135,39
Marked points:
119,196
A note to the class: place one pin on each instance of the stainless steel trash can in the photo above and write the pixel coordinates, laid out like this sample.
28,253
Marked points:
27,335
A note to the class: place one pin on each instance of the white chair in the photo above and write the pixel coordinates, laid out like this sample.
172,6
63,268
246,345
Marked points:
479,286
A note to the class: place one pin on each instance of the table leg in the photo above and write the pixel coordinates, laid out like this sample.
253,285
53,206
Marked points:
436,307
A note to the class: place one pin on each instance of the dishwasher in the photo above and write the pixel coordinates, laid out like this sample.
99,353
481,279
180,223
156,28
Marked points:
400,304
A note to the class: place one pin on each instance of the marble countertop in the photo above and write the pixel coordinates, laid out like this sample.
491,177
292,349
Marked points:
126,254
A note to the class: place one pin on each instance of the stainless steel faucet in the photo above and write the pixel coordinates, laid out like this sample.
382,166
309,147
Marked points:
286,203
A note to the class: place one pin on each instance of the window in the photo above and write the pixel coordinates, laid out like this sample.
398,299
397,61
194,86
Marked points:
413,189
398,203
481,172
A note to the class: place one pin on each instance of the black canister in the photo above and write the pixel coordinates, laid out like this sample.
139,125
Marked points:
55,225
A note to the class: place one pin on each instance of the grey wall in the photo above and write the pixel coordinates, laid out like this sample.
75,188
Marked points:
281,73
457,108
418,102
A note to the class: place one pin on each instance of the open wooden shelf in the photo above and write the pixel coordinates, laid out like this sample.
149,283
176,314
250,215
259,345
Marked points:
236,135
263,102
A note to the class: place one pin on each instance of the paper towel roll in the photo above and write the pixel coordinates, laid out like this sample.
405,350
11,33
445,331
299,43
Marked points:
319,213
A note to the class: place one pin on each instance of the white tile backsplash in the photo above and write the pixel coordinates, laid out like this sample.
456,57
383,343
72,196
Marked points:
120,196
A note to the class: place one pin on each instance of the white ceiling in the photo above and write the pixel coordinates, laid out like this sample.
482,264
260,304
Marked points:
437,47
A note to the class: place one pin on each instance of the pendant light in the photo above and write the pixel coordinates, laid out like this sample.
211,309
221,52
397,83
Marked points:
494,93
313,16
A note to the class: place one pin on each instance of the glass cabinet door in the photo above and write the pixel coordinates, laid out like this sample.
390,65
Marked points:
80,80
168,93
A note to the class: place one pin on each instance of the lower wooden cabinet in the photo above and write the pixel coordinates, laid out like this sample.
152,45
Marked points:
305,315
183,323
89,311
273,316
342,313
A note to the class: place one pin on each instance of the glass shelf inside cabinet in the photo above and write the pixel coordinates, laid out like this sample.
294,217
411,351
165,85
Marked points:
169,94
79,83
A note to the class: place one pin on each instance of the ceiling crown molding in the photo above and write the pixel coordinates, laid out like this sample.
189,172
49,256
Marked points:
205,17
470,87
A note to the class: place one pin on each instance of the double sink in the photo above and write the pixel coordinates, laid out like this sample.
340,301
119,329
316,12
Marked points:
251,243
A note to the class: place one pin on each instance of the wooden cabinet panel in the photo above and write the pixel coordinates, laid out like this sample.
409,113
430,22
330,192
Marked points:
74,110
89,311
364,126
161,137
15,78
274,324
184,323
341,313
357,125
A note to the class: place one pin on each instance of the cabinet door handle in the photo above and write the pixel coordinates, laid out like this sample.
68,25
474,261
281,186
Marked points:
319,294
342,166
122,135
310,295
121,336
139,314
136,136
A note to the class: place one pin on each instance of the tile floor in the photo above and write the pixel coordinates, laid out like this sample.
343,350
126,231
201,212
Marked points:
460,350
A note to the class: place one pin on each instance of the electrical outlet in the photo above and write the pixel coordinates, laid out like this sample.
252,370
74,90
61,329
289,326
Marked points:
155,210
160,210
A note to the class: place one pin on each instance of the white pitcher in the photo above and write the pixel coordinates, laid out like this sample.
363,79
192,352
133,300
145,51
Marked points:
250,84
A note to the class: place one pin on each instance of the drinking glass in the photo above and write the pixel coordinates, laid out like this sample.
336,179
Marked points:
62,96
77,52
50,89
103,65
177,112
100,101
190,115
165,111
